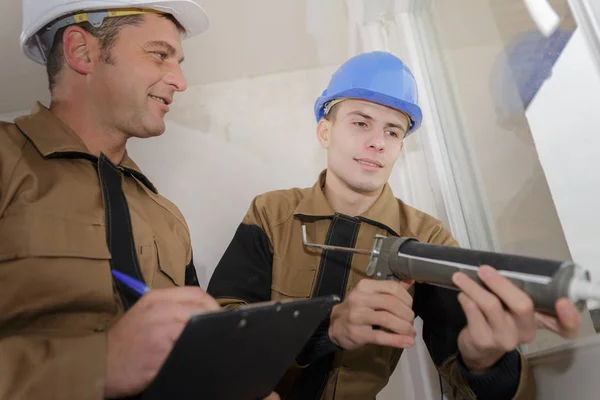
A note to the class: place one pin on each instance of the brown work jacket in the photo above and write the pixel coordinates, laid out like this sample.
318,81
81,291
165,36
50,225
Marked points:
56,291
266,260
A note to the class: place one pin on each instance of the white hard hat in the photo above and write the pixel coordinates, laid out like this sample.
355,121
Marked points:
37,14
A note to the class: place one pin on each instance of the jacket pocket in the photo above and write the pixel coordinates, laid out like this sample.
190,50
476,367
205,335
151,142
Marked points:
56,270
51,235
292,282
171,263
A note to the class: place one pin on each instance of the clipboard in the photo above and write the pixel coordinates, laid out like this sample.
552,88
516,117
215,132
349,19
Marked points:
238,354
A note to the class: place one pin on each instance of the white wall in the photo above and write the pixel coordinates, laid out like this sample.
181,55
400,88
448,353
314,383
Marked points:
564,119
10,116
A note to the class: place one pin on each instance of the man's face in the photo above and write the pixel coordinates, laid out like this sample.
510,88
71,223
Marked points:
363,142
134,88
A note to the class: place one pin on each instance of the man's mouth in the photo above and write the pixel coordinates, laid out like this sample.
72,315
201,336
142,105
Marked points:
367,162
161,99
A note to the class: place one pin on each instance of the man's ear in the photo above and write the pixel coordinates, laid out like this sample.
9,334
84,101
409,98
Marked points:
324,132
80,48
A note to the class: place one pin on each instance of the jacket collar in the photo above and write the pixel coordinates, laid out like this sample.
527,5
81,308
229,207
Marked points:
384,213
54,139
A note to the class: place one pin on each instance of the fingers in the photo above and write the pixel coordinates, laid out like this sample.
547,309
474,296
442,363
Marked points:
272,396
191,295
520,305
567,323
183,312
383,338
483,336
481,344
501,290
547,322
483,299
517,301
393,288
475,318
569,319
172,331
194,295
493,330
165,314
172,306
386,320
386,302
360,335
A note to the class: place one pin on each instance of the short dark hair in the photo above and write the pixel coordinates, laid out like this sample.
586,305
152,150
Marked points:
106,33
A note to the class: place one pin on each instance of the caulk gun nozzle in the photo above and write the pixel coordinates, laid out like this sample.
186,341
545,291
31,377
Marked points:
584,290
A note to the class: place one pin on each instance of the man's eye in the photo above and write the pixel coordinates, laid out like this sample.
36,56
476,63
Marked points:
393,134
160,55
360,124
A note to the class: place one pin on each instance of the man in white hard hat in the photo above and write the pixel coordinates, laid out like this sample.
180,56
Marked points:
74,206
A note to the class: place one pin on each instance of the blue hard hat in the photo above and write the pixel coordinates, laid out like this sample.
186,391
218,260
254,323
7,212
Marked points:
379,77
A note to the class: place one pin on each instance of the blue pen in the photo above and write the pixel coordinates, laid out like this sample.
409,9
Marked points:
135,285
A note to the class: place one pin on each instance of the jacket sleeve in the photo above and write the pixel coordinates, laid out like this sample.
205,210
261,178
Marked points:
244,273
443,319
47,364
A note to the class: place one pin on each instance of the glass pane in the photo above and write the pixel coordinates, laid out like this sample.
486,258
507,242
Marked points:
486,61
490,60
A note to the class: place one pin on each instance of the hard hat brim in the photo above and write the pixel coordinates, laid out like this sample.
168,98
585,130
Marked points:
412,110
188,13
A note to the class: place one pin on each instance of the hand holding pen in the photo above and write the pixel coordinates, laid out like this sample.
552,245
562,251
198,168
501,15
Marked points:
138,344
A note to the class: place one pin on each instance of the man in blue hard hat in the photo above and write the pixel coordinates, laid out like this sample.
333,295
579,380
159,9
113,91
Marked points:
365,114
